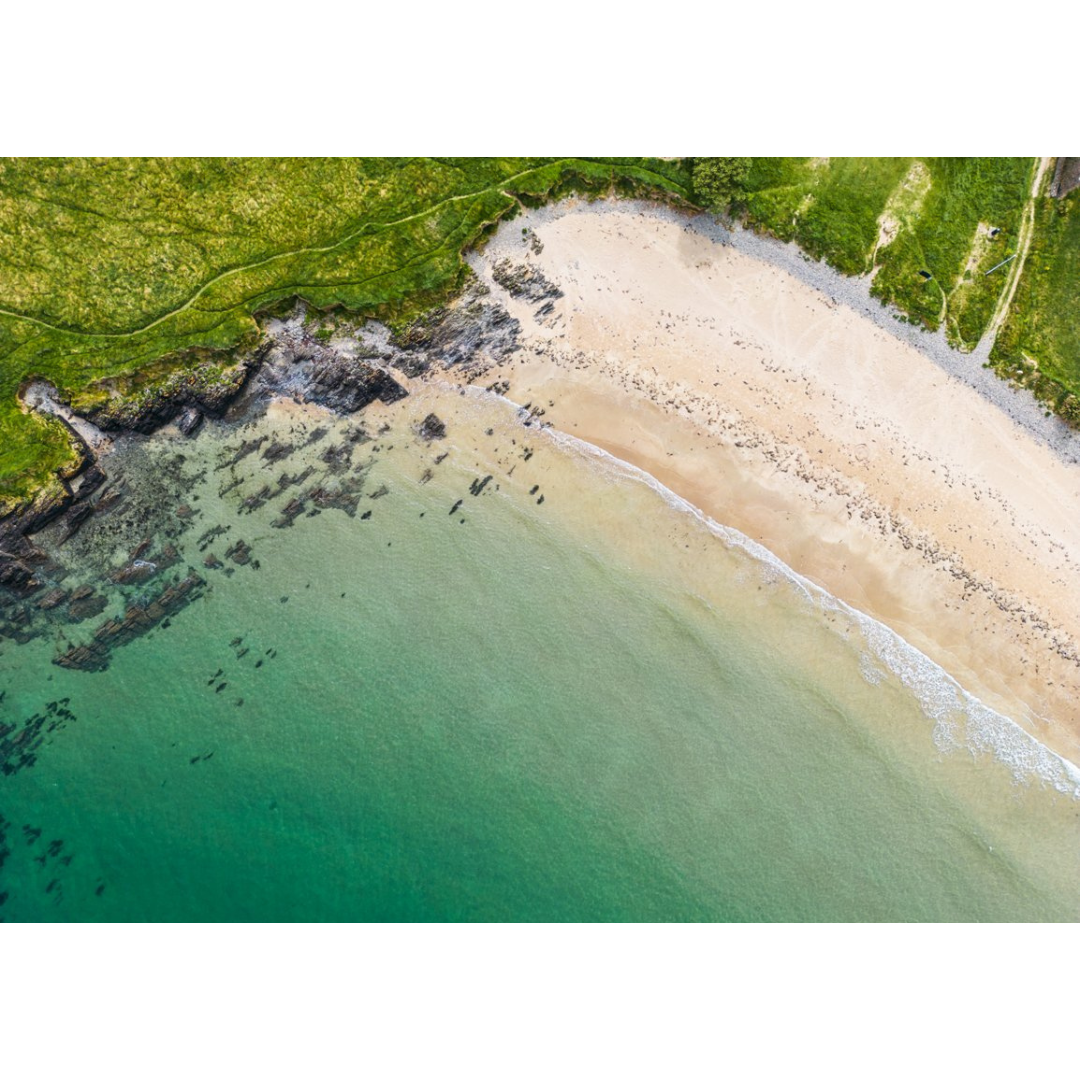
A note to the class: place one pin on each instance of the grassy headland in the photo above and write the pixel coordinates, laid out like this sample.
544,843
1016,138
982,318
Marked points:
109,266
117,274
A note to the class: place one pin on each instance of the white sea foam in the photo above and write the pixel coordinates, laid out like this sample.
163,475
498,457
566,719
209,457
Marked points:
869,670
961,721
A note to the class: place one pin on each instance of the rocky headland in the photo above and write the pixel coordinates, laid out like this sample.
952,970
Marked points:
58,553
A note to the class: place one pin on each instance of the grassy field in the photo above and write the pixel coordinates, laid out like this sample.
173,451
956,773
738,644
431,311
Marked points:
902,219
829,206
108,266
1039,343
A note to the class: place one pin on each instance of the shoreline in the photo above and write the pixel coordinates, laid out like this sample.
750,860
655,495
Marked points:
941,697
773,395
851,455
629,666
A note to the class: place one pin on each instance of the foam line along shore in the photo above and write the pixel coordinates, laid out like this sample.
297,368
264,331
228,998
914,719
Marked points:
841,447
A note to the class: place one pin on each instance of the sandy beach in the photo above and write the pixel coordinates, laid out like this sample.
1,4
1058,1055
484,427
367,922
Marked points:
814,428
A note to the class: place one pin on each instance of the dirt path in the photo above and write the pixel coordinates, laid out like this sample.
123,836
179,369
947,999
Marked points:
1016,269
367,227
41,397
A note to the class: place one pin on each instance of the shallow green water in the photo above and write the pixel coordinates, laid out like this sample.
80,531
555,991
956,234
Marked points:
589,708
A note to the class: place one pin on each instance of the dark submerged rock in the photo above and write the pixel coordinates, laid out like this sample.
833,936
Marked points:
189,420
75,518
52,599
136,621
85,603
239,552
432,428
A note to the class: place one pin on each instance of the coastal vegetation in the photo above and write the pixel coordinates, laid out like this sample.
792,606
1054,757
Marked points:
939,236
113,268
720,181
1039,342
928,229
122,275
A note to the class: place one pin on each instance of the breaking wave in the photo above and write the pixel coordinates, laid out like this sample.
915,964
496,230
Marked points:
961,721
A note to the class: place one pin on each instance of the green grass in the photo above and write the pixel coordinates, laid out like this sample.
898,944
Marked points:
833,209
1039,343
109,266
946,239
829,206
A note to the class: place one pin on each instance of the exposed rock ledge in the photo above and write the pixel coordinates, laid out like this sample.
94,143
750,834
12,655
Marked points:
189,394
295,356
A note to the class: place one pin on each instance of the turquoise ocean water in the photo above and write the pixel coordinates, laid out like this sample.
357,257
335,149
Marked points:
595,706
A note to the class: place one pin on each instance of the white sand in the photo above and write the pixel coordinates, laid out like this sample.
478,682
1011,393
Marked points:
845,450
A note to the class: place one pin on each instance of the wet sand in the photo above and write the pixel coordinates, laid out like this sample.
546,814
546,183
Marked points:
843,448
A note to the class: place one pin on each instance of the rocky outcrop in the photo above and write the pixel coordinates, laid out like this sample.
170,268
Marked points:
90,481
189,420
525,282
17,576
75,518
137,620
432,428
134,573
312,371
24,520
471,331
187,395
347,385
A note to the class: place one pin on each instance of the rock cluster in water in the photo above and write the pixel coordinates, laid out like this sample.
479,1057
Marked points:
20,742
52,551
136,621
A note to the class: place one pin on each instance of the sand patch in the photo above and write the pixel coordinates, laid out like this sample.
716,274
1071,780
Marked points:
903,205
